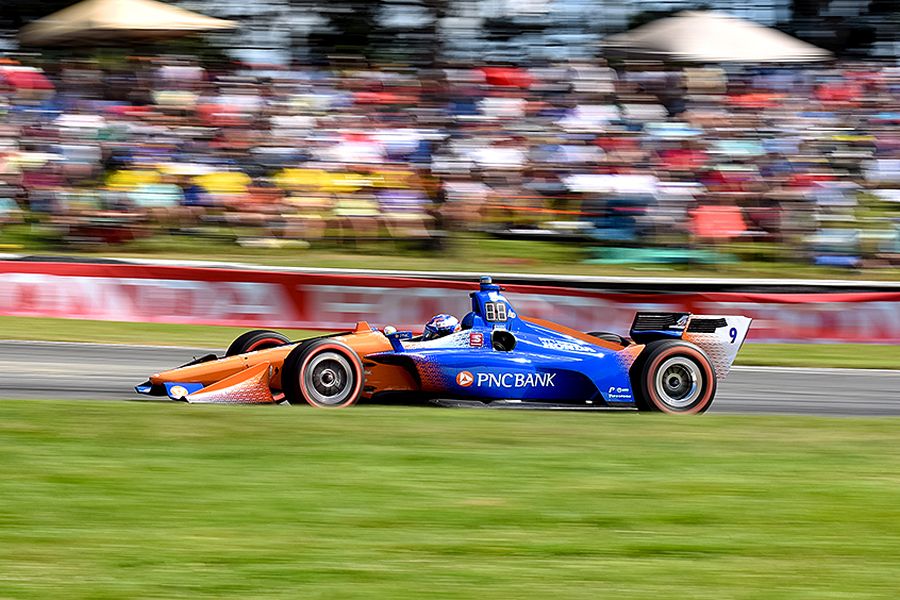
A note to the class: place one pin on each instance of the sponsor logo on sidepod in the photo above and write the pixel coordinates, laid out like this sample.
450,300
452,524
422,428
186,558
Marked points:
464,379
566,346
617,393
506,380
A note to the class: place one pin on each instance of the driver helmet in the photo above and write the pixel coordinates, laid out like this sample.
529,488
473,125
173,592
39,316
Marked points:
439,326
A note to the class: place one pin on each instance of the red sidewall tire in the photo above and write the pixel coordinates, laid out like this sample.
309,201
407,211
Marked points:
296,364
656,358
258,339
264,343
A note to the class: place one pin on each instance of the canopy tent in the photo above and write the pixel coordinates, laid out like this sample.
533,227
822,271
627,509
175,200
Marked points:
110,21
712,37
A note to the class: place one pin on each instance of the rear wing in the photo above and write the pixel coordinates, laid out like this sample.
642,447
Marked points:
649,326
720,336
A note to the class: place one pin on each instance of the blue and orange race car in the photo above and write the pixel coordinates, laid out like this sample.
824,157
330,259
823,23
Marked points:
670,362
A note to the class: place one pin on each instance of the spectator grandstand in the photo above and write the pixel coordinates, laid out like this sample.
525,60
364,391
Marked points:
640,161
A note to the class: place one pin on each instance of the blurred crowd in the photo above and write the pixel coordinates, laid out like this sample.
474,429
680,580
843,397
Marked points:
639,160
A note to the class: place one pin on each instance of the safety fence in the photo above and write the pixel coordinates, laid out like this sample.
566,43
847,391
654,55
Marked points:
315,300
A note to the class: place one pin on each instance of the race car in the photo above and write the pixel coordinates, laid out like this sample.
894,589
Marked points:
494,357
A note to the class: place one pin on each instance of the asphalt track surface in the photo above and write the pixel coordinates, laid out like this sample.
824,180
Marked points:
58,370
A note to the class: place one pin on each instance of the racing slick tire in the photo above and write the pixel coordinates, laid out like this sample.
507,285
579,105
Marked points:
324,373
258,339
615,338
674,377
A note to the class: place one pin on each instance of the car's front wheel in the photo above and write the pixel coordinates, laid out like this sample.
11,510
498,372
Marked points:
258,339
324,373
674,377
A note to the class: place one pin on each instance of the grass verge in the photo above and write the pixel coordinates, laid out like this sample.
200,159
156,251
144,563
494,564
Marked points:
851,356
472,252
160,500
117,332
868,356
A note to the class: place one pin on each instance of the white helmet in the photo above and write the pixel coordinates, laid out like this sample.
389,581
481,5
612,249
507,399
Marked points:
439,326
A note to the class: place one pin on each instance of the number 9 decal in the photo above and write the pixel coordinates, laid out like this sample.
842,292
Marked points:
732,333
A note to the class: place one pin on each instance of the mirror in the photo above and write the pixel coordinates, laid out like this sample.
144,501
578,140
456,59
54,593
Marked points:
502,340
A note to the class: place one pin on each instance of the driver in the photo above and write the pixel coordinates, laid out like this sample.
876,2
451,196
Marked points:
439,326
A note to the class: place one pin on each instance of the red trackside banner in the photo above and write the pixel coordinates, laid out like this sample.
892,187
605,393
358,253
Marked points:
272,299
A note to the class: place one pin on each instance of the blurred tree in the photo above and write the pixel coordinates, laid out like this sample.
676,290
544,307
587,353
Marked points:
406,31
16,13
884,7
352,22
808,8
850,28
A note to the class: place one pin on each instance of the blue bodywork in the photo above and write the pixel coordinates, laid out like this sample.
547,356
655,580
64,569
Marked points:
529,362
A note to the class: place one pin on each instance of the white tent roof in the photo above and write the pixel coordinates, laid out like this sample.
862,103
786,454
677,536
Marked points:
713,37
103,21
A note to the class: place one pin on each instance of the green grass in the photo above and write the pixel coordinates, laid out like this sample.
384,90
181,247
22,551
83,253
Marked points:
112,500
856,356
116,332
866,356
462,252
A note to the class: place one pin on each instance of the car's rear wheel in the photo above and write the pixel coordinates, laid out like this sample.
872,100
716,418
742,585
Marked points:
324,373
674,377
615,338
258,339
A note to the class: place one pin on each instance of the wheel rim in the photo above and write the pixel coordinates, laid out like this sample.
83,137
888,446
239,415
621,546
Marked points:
328,379
678,382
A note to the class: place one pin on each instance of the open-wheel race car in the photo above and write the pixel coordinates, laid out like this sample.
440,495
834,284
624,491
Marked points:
494,357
